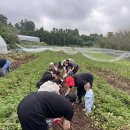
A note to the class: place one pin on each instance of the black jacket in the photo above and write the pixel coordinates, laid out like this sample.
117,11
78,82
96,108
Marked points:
2,62
44,79
82,78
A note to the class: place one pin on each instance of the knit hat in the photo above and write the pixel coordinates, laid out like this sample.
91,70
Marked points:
70,81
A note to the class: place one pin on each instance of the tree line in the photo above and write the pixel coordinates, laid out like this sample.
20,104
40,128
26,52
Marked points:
119,40
62,37
56,36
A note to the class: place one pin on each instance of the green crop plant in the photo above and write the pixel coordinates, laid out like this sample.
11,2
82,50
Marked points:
111,109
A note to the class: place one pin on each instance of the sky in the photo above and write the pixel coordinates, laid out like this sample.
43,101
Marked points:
88,16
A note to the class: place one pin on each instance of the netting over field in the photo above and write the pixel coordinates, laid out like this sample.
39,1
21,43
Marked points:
97,54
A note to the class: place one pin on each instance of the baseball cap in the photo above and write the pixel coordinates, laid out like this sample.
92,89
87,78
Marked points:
70,81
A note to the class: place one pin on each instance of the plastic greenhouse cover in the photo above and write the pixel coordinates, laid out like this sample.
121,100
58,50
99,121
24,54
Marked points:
28,38
2,42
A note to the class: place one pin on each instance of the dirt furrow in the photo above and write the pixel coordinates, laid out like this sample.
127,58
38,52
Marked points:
113,79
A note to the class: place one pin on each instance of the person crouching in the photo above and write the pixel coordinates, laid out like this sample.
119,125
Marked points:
37,107
5,65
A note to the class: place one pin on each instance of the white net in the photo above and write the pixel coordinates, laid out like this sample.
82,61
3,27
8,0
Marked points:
112,59
97,54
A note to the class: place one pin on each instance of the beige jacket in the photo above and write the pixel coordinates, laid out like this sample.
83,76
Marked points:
49,86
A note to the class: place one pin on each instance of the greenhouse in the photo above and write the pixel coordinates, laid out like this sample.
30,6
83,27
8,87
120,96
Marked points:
28,38
3,46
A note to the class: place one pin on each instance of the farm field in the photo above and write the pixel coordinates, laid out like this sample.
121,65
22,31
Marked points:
111,109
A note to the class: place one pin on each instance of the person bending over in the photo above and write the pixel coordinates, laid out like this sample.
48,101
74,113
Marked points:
48,77
37,107
5,65
79,81
51,86
70,68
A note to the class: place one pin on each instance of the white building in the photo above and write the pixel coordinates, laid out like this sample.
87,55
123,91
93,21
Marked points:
3,46
28,38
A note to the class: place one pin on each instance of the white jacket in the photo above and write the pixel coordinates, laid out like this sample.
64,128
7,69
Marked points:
89,99
50,87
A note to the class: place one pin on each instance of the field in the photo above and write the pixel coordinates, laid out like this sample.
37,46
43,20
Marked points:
111,109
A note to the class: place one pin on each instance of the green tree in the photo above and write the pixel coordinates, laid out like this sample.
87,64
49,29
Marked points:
3,19
10,24
9,34
110,34
25,25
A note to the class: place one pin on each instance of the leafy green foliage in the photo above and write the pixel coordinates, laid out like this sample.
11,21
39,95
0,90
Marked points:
9,34
111,106
119,40
25,25
3,19
67,37
56,36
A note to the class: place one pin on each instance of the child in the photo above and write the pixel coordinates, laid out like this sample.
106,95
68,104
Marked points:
69,83
53,66
89,97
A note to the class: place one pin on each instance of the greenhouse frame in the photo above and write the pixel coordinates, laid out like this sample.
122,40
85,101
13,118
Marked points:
3,46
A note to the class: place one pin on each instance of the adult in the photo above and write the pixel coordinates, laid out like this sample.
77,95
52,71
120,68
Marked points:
5,65
69,60
70,68
48,76
80,81
36,108
51,86
61,65
47,72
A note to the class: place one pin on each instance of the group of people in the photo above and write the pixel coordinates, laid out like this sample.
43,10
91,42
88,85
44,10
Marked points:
39,109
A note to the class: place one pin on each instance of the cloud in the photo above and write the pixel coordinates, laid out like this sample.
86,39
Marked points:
89,16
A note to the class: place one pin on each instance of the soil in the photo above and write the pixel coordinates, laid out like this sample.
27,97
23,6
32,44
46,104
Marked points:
19,60
80,121
22,61
113,79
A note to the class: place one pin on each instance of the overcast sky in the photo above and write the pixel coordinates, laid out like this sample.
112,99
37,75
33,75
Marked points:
89,16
